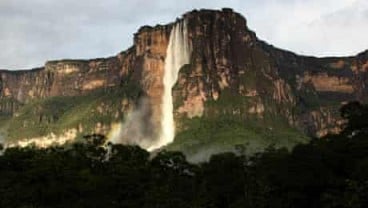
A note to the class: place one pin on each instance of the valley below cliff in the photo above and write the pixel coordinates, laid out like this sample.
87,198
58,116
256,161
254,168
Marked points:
232,91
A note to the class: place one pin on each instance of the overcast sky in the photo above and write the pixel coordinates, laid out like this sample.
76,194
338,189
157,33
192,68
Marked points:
33,31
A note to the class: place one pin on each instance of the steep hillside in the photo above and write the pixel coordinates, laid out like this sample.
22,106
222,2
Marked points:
235,91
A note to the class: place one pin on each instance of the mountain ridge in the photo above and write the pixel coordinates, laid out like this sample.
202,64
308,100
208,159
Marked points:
232,74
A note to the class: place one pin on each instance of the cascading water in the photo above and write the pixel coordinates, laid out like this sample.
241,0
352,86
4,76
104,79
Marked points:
177,54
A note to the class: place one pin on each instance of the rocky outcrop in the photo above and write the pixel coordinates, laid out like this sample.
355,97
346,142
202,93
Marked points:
140,65
230,72
151,44
322,82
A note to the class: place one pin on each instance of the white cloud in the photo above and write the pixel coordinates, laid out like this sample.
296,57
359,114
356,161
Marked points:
321,28
34,31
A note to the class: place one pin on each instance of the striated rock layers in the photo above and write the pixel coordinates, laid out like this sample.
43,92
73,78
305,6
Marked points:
230,73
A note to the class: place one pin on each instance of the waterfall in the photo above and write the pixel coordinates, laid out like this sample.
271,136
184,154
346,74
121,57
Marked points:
177,54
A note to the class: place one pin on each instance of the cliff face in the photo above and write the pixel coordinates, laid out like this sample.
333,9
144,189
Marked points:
140,66
320,86
229,59
231,74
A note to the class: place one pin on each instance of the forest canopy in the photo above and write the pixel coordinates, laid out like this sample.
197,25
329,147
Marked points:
327,172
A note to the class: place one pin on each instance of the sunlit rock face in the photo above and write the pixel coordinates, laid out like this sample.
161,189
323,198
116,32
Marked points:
206,64
60,78
159,74
142,123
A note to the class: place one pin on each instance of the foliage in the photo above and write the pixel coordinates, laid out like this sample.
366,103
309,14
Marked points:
327,172
55,114
226,123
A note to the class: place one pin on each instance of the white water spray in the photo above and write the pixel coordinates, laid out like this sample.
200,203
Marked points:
177,54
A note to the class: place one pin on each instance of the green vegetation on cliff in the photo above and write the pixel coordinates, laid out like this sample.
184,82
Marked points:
204,137
57,114
328,172
234,121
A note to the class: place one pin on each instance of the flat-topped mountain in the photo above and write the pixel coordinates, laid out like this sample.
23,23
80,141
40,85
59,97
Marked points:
207,72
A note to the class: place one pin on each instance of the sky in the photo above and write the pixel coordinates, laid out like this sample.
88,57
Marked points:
34,31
